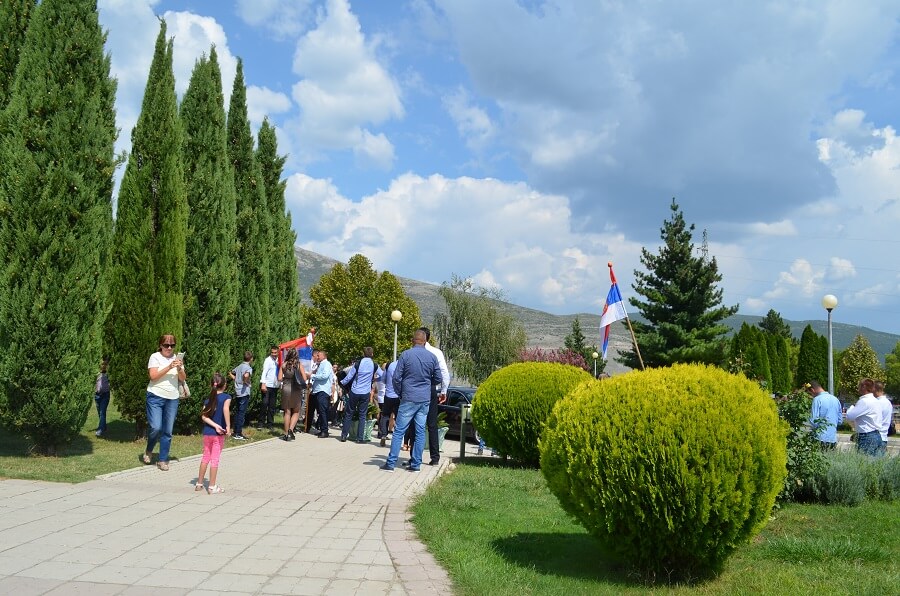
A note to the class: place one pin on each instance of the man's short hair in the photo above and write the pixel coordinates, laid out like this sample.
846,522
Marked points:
273,347
368,351
427,332
815,385
248,355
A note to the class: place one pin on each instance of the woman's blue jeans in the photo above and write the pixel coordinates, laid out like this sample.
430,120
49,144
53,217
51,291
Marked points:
160,420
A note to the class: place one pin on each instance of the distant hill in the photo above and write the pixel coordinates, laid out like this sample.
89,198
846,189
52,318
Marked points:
548,331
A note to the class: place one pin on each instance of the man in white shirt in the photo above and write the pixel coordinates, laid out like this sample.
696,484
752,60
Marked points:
268,385
887,414
438,395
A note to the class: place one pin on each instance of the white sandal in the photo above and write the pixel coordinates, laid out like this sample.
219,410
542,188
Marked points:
215,489
198,486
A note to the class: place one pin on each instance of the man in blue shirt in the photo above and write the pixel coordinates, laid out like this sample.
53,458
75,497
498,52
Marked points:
826,415
321,379
414,379
359,379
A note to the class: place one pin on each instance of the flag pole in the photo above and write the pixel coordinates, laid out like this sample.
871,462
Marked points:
637,348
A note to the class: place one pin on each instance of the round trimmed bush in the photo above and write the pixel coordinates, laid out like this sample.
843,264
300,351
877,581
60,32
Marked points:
512,406
671,468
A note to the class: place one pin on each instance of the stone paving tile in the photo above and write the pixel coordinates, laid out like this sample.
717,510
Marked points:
78,588
335,525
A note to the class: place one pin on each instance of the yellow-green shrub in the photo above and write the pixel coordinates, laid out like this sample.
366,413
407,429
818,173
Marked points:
671,468
511,407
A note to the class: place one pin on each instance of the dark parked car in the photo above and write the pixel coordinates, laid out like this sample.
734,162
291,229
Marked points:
456,397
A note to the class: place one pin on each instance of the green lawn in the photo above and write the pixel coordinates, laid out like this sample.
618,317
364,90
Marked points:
498,530
88,456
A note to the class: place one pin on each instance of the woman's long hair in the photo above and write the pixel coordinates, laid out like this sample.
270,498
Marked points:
218,384
290,361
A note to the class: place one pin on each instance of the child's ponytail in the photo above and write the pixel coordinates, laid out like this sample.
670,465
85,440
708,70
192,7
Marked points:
218,384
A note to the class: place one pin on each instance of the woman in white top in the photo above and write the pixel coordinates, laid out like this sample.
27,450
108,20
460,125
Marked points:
866,416
165,371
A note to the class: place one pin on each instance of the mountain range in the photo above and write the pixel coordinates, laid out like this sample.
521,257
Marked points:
547,330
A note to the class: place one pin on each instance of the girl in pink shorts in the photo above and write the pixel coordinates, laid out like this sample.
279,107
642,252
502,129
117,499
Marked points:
216,417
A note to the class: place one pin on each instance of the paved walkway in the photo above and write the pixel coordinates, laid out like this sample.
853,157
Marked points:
314,516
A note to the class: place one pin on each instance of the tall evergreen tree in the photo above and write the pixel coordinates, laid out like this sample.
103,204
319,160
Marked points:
148,258
812,362
774,324
682,303
14,18
749,346
575,342
892,372
781,372
211,272
57,143
251,324
285,309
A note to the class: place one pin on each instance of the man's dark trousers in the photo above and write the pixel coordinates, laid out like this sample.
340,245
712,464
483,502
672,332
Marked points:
431,424
322,401
268,407
359,403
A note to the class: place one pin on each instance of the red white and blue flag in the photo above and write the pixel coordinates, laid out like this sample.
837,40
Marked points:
613,310
304,346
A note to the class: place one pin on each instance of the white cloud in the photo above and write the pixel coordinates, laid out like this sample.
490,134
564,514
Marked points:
521,240
194,35
344,90
472,122
284,17
262,102
840,269
784,227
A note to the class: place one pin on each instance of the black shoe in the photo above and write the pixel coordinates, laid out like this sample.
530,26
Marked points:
323,435
387,468
434,462
343,439
284,438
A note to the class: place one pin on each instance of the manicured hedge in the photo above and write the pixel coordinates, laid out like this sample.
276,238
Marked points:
672,468
511,407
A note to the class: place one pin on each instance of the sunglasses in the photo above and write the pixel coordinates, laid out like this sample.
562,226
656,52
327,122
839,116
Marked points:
168,345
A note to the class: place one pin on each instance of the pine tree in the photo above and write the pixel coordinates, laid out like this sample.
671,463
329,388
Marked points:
782,379
749,345
211,272
251,325
774,324
148,257
285,309
858,362
575,342
892,371
682,303
812,362
57,143
14,18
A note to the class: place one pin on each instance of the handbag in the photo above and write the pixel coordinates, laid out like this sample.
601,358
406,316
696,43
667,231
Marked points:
184,391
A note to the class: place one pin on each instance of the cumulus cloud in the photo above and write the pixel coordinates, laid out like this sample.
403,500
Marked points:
649,102
283,17
262,102
522,240
194,35
784,227
344,90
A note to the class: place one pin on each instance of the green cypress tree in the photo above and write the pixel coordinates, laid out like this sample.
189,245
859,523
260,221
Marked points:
56,147
211,272
251,325
285,309
783,381
14,17
148,260
812,362
575,342
683,304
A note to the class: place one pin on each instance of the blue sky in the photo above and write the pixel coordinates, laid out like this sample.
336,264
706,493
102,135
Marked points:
527,143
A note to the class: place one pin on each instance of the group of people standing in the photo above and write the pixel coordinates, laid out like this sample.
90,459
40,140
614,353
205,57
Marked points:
407,392
872,416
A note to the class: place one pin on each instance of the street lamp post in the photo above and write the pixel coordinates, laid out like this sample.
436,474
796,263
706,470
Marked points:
595,355
829,301
395,317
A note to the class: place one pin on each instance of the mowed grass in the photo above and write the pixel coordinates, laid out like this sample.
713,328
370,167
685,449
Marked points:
88,456
498,530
